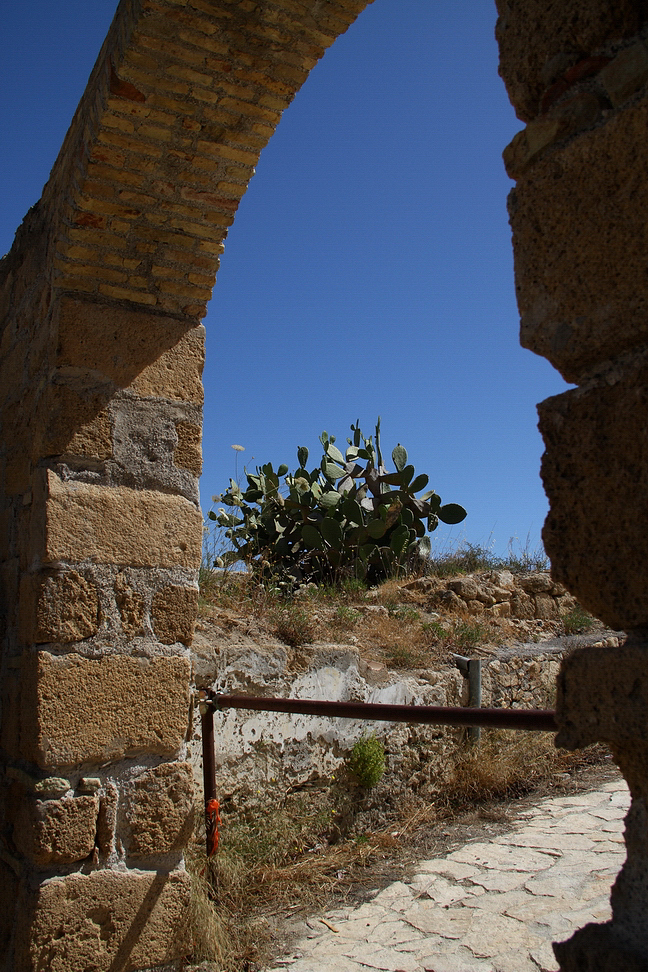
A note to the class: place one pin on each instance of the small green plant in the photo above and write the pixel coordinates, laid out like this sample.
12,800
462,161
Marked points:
467,635
293,625
434,630
345,617
367,760
578,621
403,612
346,517
402,656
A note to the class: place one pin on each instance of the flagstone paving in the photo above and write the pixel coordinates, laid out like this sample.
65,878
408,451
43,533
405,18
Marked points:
491,906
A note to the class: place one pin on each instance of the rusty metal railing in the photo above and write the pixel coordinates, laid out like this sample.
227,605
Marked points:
537,720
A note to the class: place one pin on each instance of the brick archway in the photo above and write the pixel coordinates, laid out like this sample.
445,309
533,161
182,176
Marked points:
100,371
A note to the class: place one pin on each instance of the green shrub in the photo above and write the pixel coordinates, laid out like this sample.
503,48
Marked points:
346,517
578,621
469,635
367,760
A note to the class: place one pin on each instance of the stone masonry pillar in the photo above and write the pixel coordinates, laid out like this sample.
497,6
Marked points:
577,73
101,356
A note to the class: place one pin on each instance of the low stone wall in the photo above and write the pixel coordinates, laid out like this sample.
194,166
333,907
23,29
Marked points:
260,750
501,594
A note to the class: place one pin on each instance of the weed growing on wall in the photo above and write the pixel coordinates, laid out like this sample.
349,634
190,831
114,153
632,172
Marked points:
367,761
578,621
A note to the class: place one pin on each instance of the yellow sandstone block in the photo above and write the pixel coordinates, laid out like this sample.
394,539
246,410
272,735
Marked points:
119,525
156,356
121,293
76,709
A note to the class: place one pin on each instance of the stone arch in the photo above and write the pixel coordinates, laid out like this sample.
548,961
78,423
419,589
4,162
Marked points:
101,356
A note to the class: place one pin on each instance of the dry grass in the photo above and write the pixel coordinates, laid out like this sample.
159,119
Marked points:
506,765
289,858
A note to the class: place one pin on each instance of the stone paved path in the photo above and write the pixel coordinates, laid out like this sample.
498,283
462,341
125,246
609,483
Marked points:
487,907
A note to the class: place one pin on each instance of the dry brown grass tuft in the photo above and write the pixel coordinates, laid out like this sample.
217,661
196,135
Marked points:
507,764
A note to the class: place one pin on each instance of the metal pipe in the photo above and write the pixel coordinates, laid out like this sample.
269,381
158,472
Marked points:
540,720
209,760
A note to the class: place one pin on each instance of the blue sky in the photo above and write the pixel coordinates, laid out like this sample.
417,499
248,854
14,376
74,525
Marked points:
369,270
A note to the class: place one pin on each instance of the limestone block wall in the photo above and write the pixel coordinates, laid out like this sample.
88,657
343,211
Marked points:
101,355
576,74
264,754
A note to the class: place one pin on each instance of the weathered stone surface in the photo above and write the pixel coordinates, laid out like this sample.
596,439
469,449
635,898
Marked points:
523,606
107,820
603,697
546,607
118,525
94,439
77,709
536,583
74,419
55,831
159,809
571,116
188,453
145,446
580,247
173,613
108,920
131,606
176,374
595,473
626,73
154,355
533,33
62,607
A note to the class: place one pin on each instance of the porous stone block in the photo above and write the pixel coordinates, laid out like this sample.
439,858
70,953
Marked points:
173,613
119,525
595,473
94,439
602,696
522,606
107,921
177,373
533,34
626,73
580,247
131,606
159,809
546,607
76,709
571,116
501,610
73,419
54,831
154,355
58,607
188,453
9,896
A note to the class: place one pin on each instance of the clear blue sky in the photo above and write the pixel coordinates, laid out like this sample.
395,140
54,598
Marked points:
369,270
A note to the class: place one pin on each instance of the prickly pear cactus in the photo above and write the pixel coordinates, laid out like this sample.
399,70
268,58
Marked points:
347,516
